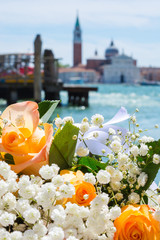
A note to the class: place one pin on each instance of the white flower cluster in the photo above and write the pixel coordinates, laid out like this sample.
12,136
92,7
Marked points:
124,177
31,208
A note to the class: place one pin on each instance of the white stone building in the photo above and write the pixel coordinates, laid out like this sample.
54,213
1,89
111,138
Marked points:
122,69
78,75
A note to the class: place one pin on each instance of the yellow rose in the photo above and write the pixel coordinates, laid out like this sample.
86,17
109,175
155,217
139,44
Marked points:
23,139
72,177
136,223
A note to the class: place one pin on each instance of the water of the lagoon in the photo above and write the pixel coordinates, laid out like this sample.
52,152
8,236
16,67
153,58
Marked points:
110,98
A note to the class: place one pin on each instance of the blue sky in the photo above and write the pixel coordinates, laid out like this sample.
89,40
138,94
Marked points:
133,24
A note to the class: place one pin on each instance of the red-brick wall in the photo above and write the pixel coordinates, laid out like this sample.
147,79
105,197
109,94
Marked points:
77,54
94,63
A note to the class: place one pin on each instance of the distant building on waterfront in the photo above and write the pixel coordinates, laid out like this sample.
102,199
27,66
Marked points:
113,67
78,75
151,74
122,69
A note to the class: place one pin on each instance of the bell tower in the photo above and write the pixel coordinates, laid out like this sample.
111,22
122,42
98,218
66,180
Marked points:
77,44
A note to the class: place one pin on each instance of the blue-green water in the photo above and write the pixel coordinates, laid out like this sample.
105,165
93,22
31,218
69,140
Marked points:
110,98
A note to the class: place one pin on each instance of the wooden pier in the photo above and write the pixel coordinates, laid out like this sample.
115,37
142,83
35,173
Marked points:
19,82
78,94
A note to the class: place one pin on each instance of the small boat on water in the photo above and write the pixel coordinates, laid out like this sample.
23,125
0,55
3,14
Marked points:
150,83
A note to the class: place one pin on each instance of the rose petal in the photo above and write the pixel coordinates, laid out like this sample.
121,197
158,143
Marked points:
33,165
23,115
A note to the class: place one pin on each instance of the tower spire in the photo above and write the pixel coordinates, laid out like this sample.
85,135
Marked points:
77,43
77,25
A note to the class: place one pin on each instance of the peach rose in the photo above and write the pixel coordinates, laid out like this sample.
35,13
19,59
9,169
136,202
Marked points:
136,223
23,139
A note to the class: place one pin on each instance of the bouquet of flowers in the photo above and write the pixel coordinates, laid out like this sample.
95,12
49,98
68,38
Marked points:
76,181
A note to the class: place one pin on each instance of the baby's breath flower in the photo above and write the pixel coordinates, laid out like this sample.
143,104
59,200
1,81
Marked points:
58,122
103,177
89,177
119,196
84,127
133,119
143,150
103,151
140,130
31,215
97,120
111,131
134,150
111,157
85,119
134,198
82,152
7,219
142,179
156,159
68,119
116,146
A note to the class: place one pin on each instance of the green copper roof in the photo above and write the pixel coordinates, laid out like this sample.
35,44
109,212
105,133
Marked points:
77,23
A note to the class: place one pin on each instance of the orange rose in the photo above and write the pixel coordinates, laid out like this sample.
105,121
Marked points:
84,192
136,223
23,139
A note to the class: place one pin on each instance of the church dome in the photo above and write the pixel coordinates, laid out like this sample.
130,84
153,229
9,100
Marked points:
111,50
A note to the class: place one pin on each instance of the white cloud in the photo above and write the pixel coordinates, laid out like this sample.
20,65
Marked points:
51,18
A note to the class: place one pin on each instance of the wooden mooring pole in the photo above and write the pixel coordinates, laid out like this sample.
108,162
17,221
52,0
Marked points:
37,68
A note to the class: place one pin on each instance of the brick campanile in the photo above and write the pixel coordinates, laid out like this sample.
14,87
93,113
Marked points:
77,44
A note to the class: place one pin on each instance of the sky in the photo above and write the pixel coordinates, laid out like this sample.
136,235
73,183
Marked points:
134,25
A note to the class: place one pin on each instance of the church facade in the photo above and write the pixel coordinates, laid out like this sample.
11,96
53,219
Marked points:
122,69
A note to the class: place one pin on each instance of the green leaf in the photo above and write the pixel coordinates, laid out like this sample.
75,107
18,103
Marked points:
8,158
145,198
150,168
46,109
91,163
63,147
